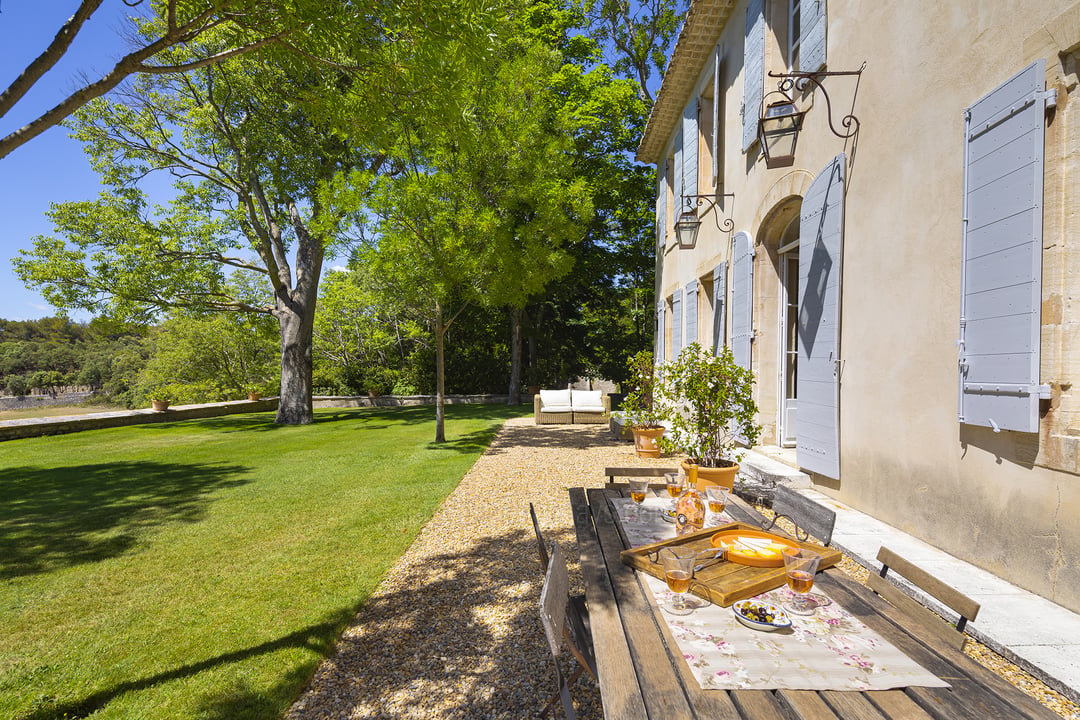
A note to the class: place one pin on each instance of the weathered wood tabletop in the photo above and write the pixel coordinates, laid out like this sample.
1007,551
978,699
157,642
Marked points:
641,677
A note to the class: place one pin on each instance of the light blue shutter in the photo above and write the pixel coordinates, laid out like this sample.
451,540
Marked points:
659,356
691,311
742,299
716,121
821,234
661,215
1001,280
812,24
719,321
753,70
676,324
690,148
678,176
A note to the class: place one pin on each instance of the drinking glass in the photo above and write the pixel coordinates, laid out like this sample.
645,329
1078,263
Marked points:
676,485
638,488
800,565
716,495
678,565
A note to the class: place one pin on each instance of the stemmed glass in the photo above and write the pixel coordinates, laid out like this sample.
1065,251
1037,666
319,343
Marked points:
716,495
678,565
638,488
676,485
800,565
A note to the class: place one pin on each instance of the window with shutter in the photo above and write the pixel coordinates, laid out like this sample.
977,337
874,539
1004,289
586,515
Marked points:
719,323
742,298
753,70
658,356
812,23
691,312
678,175
691,139
662,204
821,231
1001,248
676,324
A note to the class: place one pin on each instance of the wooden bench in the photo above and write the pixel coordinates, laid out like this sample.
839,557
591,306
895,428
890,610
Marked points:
950,596
809,517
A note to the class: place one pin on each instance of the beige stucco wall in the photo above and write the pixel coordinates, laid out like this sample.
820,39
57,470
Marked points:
1008,502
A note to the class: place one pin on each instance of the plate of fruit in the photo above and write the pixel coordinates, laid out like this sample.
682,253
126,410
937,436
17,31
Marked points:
760,615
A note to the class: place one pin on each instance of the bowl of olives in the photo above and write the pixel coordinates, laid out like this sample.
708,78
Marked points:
760,615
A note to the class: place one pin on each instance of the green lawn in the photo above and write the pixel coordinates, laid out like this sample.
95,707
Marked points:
201,569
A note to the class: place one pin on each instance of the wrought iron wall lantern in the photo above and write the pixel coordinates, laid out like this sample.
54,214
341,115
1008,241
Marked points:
780,121
686,227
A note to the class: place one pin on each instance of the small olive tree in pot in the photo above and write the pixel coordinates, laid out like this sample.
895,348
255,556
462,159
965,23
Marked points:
643,413
710,403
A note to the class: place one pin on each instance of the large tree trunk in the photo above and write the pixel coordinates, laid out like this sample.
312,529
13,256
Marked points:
296,323
440,374
515,357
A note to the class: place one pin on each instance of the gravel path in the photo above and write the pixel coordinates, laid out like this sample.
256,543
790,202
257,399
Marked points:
454,632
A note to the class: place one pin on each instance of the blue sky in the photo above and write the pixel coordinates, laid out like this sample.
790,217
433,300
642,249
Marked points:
51,167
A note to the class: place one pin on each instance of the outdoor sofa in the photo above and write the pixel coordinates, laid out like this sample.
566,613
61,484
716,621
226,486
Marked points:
562,407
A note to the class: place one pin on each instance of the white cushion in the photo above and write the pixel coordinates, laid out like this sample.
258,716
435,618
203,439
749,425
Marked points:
555,400
587,400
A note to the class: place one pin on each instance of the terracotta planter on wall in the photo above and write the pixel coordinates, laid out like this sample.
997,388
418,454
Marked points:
714,476
645,441
159,405
253,396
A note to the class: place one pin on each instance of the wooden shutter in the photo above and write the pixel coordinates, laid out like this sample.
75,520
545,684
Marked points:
742,299
691,312
691,140
678,176
821,232
1001,274
716,121
719,322
753,70
660,320
662,208
812,25
676,324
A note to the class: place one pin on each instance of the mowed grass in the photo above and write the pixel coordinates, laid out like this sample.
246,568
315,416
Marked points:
201,569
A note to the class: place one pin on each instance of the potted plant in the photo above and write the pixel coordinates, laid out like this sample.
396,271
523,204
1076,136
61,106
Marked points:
253,390
163,396
640,409
710,403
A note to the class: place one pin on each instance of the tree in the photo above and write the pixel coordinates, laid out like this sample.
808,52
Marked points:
240,26
640,33
262,167
484,207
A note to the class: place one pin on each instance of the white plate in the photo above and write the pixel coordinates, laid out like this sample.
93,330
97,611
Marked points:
779,622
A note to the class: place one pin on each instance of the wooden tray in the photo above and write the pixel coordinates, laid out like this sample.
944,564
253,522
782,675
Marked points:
722,582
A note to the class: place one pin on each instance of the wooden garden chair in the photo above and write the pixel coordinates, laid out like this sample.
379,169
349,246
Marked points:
964,606
809,517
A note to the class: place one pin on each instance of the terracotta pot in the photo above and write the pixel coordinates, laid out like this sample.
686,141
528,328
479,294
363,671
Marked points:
253,396
645,441
159,405
534,389
714,476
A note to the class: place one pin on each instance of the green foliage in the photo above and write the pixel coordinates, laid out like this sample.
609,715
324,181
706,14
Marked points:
640,403
708,398
209,358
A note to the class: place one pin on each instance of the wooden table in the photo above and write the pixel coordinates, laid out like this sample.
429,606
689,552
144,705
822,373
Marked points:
640,677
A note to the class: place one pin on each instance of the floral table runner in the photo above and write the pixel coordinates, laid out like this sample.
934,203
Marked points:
830,650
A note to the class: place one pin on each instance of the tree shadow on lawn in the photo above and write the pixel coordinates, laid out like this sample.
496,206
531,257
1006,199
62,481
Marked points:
60,517
462,639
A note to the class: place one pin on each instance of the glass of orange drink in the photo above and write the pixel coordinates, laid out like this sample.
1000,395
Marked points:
678,565
801,565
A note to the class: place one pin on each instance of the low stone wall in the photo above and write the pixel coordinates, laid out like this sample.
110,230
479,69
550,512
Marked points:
33,427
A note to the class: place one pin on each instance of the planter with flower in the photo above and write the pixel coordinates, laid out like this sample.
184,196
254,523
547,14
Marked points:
640,410
162,396
253,390
711,409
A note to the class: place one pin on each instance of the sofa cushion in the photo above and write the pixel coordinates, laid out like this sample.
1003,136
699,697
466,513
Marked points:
555,401
587,400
